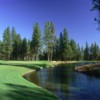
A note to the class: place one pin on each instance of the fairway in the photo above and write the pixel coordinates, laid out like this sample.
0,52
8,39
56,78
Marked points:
14,87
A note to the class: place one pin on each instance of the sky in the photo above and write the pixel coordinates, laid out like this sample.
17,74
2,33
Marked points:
74,15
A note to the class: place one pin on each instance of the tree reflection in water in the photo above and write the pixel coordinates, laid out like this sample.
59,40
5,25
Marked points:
68,84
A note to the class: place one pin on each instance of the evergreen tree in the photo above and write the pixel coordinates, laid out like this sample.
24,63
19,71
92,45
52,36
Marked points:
13,35
49,38
29,56
14,48
86,52
79,53
91,51
17,47
69,54
61,46
56,52
36,42
1,52
23,51
65,45
74,49
95,52
13,39
82,53
7,43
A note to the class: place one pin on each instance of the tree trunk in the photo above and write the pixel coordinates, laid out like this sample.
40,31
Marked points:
48,56
37,57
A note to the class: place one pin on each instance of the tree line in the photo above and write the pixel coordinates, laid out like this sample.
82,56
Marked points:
46,46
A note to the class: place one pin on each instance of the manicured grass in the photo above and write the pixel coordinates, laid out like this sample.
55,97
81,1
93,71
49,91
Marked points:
14,87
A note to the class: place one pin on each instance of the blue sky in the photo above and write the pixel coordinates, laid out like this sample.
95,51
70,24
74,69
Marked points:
74,15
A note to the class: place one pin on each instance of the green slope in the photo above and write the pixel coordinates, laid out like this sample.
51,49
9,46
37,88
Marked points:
14,87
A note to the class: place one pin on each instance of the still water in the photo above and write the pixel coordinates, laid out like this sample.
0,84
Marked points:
68,84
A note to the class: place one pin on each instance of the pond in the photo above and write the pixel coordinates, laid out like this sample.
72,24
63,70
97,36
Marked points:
68,84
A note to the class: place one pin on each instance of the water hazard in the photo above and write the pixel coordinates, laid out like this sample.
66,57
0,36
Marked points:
68,84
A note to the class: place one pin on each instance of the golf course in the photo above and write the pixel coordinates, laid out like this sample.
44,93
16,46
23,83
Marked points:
14,87
49,50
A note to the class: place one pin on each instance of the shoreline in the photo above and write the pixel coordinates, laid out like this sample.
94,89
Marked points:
91,69
28,76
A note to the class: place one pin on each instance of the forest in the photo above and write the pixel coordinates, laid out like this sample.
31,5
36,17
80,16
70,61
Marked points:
46,45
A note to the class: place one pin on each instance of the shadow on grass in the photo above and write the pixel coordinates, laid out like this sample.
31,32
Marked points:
20,92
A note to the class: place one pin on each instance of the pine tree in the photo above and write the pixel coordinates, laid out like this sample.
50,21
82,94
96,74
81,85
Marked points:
23,51
65,45
91,51
56,53
7,43
29,56
49,38
13,39
86,52
61,46
82,52
17,47
69,54
79,53
74,49
13,35
95,52
36,42
1,52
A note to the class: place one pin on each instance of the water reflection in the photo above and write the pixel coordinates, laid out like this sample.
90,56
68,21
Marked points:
67,84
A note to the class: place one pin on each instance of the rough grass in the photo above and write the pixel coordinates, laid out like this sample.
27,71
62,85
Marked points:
14,87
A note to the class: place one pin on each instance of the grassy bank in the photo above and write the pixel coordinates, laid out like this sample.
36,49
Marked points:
14,87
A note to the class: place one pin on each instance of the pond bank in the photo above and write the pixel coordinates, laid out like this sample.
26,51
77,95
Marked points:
66,83
32,73
89,68
34,76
